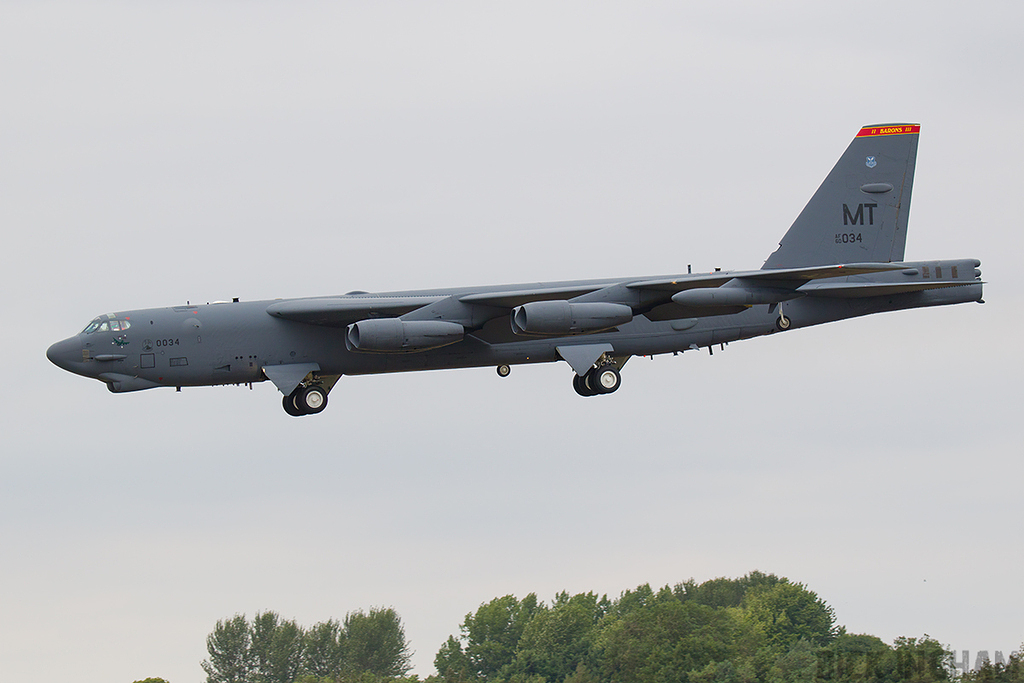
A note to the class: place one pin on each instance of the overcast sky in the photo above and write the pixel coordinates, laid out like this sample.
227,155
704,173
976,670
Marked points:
152,154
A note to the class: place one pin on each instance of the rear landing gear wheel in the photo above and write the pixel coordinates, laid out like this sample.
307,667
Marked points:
305,401
581,387
289,406
311,400
604,379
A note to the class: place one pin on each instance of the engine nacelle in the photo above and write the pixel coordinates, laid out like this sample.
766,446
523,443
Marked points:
391,335
557,318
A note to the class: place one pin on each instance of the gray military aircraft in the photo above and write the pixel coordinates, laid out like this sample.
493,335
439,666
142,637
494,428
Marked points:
842,258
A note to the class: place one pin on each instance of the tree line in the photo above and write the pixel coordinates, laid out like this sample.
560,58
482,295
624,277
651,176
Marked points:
759,628
365,646
756,628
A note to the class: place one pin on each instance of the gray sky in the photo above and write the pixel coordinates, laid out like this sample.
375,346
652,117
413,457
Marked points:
156,153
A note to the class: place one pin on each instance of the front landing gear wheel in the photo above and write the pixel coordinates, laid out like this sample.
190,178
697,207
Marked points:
580,385
605,379
504,371
311,400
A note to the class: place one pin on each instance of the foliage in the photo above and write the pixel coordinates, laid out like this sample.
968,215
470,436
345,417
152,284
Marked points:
375,643
1010,672
758,628
228,646
787,612
152,680
366,648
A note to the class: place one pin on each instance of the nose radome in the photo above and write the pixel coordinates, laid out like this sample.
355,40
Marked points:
64,353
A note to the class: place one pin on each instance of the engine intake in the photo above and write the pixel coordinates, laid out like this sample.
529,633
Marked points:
391,335
557,318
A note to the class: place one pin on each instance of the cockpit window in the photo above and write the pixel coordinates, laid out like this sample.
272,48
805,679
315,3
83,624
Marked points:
106,326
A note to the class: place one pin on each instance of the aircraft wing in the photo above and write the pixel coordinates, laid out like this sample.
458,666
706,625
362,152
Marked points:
340,311
672,296
793,276
517,297
857,290
721,293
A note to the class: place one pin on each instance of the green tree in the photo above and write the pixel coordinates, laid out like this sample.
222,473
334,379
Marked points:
799,665
492,633
723,592
375,643
322,650
787,612
228,647
922,660
671,640
275,649
1010,672
451,662
556,641
152,680
855,657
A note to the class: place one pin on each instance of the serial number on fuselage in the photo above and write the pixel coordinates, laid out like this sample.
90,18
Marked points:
167,342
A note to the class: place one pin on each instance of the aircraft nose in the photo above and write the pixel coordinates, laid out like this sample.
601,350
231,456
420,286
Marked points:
64,354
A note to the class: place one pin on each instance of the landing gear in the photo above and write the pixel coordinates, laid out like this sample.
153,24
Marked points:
289,406
504,370
311,400
580,385
783,323
305,400
603,379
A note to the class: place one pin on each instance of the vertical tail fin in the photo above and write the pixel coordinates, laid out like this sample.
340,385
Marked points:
859,214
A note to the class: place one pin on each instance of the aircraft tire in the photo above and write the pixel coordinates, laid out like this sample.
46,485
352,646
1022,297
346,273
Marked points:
289,406
581,386
311,400
783,323
504,370
604,379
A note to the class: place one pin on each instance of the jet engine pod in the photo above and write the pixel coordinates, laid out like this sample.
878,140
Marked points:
392,335
556,318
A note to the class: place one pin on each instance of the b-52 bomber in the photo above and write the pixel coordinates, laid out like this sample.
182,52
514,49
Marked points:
842,258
